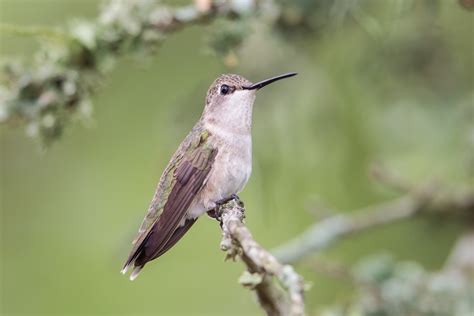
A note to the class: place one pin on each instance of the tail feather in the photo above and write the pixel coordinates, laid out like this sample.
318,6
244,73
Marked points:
137,249
135,272
139,257
177,235
124,269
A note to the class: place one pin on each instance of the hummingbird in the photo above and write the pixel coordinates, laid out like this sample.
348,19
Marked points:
212,165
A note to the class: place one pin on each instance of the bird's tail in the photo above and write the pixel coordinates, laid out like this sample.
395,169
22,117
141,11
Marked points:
137,249
138,258
136,270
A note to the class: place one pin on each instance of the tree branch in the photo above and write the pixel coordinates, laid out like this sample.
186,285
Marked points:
461,258
57,87
427,200
285,298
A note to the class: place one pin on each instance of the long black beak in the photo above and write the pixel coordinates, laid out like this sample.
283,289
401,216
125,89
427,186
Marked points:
265,82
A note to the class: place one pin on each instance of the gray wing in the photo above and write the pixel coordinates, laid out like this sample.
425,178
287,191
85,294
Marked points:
185,181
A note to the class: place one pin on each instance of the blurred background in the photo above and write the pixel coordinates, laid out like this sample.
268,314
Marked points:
388,82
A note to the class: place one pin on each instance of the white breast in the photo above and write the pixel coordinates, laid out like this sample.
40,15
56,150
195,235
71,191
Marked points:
230,172
232,167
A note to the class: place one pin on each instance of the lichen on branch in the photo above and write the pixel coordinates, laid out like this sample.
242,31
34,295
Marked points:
278,287
427,200
70,64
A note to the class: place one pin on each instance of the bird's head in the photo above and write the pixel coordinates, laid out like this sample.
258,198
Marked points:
230,99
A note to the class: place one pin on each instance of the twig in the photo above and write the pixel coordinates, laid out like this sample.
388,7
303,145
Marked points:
276,299
428,199
461,258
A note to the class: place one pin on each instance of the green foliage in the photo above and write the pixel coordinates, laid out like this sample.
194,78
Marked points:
227,35
58,85
46,96
390,288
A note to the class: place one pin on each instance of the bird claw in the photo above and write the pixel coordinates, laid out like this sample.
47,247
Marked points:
234,197
212,213
237,199
216,211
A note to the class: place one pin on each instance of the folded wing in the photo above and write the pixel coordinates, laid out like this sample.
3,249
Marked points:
183,181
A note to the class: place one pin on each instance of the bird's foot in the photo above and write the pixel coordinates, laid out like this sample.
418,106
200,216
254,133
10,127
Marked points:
216,211
213,213
216,214
234,197
237,199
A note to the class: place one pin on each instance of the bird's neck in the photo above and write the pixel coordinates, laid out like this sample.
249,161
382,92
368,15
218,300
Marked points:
229,123
230,115
226,133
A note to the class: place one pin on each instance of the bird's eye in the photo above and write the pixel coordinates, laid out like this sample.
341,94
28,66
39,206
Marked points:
225,89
